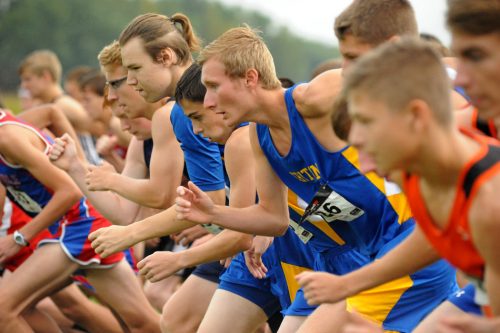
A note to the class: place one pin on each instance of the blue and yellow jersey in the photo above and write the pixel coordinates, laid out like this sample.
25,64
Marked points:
362,212
286,257
293,256
356,218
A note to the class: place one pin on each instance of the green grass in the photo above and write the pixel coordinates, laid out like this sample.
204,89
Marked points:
10,101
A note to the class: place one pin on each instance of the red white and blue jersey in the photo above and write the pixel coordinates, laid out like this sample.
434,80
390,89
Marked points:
24,189
72,229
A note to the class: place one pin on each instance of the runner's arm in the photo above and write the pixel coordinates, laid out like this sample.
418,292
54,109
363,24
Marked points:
165,173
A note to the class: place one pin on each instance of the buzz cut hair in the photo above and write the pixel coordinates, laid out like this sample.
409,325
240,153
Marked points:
397,73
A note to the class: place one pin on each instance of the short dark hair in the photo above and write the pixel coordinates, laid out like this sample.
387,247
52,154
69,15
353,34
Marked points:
189,86
475,17
375,21
94,80
436,43
76,73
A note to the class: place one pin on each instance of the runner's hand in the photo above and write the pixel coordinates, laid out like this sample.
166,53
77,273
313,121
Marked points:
320,287
8,248
160,265
97,178
110,240
189,235
253,256
63,153
194,205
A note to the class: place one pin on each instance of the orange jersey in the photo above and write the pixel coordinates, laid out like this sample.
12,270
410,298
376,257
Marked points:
454,242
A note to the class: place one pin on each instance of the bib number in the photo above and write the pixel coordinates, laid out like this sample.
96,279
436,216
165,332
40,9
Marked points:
331,206
304,235
24,200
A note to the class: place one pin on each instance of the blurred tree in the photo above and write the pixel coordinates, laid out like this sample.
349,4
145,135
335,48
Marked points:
77,30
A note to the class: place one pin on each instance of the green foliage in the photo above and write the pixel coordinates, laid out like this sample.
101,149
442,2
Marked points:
11,102
78,29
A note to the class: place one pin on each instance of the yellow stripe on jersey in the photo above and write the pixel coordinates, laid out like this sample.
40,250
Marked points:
401,206
293,202
397,200
378,302
290,271
351,154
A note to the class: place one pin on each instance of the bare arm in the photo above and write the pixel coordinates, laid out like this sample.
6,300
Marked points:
105,147
165,172
115,160
113,239
28,152
395,264
240,167
76,114
112,206
122,136
165,223
3,194
268,217
50,116
317,98
322,287
163,264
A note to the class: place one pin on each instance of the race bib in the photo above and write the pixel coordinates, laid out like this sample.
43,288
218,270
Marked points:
212,228
24,200
304,235
331,206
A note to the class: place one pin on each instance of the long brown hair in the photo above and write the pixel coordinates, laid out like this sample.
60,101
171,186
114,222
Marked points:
159,32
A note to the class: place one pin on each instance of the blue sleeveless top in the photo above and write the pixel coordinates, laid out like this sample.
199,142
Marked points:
363,211
202,157
147,146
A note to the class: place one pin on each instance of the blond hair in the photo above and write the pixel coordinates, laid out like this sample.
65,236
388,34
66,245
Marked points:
241,49
399,72
159,32
476,17
41,61
110,55
375,21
